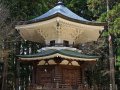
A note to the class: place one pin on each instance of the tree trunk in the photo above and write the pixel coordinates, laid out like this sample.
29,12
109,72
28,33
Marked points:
4,79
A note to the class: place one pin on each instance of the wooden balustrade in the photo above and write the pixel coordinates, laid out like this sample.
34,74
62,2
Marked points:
65,87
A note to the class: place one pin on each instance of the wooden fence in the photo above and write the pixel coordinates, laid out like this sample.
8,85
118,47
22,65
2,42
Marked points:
81,87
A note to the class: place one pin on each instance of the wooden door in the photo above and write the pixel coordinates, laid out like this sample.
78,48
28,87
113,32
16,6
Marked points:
44,75
71,76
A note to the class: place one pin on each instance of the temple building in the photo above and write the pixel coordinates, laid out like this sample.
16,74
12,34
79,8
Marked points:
59,65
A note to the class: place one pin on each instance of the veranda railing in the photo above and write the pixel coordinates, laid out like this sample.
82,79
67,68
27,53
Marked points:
67,87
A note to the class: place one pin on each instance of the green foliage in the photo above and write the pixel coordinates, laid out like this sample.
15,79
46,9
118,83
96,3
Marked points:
116,27
97,7
113,14
118,55
103,17
26,9
80,8
114,17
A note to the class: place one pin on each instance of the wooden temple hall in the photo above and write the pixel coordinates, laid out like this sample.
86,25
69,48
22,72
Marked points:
59,65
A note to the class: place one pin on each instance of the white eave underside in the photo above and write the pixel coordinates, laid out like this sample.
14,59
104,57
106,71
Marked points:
59,29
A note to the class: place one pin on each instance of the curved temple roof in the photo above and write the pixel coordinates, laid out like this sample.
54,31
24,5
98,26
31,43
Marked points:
60,24
59,9
63,53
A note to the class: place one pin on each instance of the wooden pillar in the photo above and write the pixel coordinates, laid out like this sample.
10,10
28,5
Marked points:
34,71
33,74
58,72
82,69
33,48
83,76
28,46
58,76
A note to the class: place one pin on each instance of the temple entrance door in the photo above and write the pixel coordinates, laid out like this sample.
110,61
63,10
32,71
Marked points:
45,75
66,76
71,76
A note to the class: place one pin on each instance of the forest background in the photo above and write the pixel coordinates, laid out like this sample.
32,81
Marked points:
13,12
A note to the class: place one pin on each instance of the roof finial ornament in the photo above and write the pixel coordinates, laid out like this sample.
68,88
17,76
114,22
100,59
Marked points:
60,2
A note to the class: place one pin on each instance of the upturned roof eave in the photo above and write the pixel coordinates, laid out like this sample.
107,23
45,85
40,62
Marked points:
61,52
57,55
35,56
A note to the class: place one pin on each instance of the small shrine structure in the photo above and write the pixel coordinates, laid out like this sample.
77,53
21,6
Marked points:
59,64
